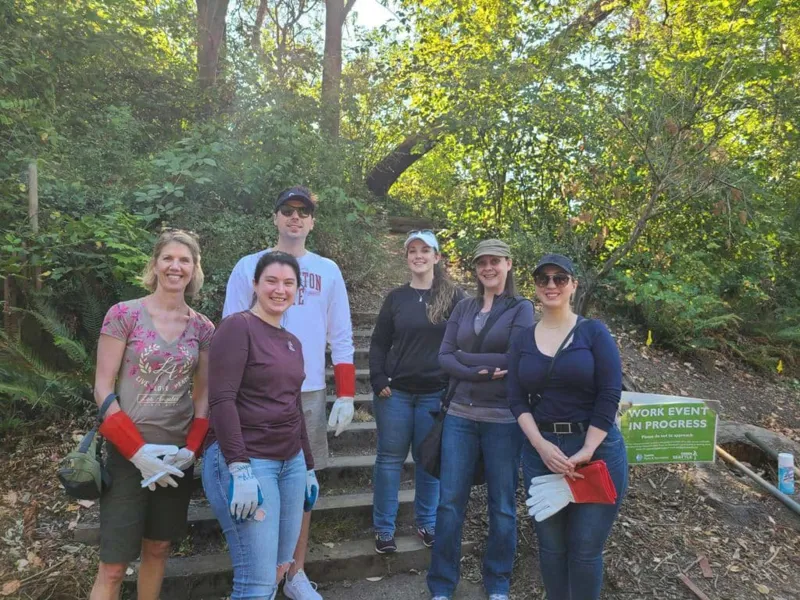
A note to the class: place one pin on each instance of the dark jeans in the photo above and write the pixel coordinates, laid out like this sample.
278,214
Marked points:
571,541
403,420
463,441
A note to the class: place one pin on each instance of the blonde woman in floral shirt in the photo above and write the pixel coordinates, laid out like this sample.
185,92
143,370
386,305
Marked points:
152,372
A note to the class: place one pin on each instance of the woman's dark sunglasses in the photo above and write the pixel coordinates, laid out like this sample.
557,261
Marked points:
559,279
287,210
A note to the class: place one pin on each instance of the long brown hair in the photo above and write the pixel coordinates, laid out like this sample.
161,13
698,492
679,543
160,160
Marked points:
443,291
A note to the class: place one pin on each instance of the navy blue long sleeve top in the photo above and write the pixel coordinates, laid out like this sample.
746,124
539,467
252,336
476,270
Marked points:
585,384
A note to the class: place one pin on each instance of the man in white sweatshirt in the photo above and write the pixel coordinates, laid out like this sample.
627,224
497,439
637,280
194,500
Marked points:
320,315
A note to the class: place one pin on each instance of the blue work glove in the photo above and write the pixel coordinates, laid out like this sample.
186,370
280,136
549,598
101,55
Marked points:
312,490
244,492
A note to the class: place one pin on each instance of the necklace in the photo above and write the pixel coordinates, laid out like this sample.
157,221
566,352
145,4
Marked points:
552,328
421,295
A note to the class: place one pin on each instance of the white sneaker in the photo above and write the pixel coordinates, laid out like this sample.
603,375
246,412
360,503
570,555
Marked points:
300,588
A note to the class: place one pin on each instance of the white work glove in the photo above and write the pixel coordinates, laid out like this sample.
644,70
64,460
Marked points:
548,494
183,459
244,491
312,490
341,414
149,464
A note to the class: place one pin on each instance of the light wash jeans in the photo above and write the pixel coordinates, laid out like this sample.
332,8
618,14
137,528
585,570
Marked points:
463,441
403,420
258,547
571,541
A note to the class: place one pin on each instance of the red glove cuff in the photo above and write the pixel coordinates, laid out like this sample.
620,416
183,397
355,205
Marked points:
596,485
121,431
345,376
197,433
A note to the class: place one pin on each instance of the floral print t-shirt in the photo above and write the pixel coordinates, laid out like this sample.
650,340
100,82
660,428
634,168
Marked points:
155,376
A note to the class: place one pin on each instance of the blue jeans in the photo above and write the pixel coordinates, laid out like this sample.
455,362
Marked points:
571,541
403,420
258,547
463,441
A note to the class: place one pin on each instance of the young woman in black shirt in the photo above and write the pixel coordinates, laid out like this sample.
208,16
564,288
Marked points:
409,384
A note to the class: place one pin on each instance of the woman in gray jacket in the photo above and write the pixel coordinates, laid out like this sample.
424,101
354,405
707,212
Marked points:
479,423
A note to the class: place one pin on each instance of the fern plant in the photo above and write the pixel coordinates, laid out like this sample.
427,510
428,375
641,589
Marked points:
29,377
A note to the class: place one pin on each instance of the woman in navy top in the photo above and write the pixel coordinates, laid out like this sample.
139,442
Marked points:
568,420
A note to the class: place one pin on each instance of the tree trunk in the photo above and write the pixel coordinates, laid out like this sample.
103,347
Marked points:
385,173
394,164
335,14
255,40
583,296
210,38
332,67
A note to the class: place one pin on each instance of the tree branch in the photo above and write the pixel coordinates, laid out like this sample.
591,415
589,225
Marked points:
389,169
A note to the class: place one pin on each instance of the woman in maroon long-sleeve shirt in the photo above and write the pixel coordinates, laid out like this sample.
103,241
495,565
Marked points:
258,468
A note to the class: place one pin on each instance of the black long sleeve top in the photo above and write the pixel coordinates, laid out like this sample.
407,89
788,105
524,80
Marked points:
405,344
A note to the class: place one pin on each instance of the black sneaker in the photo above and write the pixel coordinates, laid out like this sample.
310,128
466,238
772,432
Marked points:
427,534
384,543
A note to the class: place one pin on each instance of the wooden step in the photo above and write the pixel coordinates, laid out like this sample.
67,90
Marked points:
346,469
349,470
357,508
210,577
357,435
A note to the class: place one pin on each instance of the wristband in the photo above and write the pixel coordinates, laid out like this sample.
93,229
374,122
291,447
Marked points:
121,431
197,434
344,374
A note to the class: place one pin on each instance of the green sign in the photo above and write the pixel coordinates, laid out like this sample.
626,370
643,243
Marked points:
667,429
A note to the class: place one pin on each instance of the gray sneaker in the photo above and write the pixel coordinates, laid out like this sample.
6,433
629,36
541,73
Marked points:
384,543
300,588
427,535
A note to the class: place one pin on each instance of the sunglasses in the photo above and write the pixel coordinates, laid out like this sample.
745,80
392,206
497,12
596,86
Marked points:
420,231
287,211
559,279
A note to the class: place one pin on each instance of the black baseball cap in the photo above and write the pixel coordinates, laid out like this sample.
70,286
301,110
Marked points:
297,192
558,260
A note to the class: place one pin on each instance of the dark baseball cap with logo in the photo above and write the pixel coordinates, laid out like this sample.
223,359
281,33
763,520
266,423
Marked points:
297,192
557,260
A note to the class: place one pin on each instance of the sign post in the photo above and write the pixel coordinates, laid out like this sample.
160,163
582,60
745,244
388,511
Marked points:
667,429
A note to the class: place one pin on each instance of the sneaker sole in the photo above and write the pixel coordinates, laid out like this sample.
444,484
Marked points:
386,551
424,543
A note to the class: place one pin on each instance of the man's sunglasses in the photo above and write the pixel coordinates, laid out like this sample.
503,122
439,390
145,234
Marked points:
559,279
287,210
419,231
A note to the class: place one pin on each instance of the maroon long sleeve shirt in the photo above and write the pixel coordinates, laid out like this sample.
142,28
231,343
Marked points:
255,375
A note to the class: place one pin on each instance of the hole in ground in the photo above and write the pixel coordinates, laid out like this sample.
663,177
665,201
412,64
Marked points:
753,457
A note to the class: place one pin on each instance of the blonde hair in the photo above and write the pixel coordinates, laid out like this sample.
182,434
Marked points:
149,278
